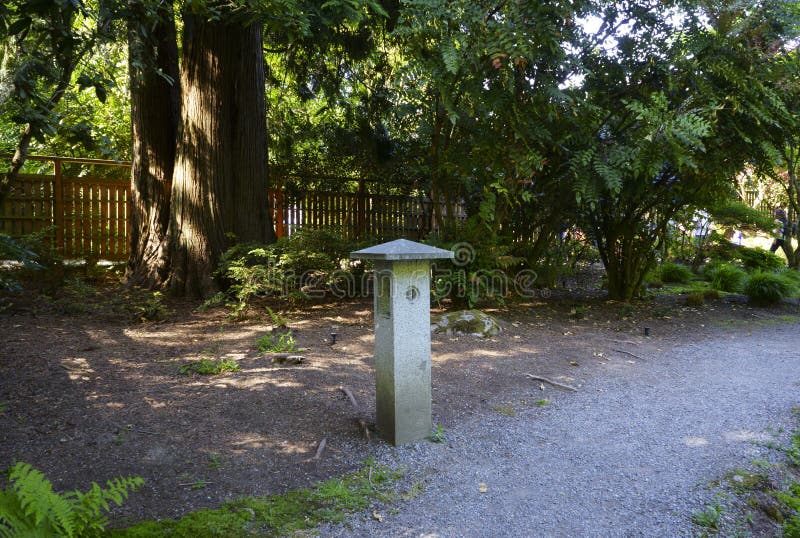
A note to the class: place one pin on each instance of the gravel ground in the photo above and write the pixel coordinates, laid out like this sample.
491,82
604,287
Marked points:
630,454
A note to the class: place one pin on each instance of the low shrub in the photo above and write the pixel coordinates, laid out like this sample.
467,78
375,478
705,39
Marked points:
208,366
675,273
708,268
312,264
768,288
720,248
758,259
652,279
277,343
792,274
728,278
149,306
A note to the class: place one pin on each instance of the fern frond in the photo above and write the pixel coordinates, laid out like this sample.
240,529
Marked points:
41,507
30,507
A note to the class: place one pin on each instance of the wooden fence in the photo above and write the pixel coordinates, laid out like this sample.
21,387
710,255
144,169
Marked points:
87,216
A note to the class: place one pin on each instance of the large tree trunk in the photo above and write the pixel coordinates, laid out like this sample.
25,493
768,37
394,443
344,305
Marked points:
219,191
155,112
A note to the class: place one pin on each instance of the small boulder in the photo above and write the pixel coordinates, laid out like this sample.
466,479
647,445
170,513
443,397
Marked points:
466,322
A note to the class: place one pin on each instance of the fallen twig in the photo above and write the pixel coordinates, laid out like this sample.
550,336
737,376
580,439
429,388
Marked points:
320,448
195,484
349,396
551,382
147,431
628,353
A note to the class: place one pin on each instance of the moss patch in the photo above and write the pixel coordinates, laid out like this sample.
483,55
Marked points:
279,515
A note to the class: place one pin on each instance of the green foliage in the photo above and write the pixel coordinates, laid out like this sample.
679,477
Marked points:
12,250
277,343
314,263
209,366
675,273
726,277
280,515
57,51
438,435
482,268
709,517
735,214
30,507
758,259
277,319
768,288
557,259
790,497
150,308
791,274
721,250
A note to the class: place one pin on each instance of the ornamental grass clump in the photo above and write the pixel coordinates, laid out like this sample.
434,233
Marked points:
727,278
675,273
768,288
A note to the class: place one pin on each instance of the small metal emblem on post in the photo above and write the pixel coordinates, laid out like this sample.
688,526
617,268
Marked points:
402,337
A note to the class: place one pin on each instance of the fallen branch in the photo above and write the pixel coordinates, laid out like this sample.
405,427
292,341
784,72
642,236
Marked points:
551,382
320,448
628,353
349,396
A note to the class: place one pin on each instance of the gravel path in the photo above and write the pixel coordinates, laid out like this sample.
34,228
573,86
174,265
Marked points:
630,454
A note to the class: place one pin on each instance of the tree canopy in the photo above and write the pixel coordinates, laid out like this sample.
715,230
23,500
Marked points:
613,117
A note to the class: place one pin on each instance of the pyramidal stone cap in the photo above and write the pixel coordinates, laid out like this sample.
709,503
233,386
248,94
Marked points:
401,249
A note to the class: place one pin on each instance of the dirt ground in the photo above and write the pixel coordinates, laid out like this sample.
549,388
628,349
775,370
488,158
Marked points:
87,395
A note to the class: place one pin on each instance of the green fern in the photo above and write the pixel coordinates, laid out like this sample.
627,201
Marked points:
30,507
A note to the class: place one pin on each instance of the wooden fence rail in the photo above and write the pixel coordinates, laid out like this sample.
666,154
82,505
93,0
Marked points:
83,215
86,216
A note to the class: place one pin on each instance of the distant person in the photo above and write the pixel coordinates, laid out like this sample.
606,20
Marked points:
781,230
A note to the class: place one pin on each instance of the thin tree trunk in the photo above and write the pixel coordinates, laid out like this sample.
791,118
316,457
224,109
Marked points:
155,112
219,191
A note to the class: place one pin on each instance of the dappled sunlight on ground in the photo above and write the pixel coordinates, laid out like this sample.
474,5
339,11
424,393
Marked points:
114,393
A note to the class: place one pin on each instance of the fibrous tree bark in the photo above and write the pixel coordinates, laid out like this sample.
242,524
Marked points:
155,112
219,191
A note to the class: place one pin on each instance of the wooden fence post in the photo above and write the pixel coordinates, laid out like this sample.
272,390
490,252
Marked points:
361,209
58,205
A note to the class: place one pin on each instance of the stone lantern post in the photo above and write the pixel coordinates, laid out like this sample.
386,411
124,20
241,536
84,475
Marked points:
402,337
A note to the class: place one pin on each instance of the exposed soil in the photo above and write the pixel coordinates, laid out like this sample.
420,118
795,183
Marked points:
88,396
